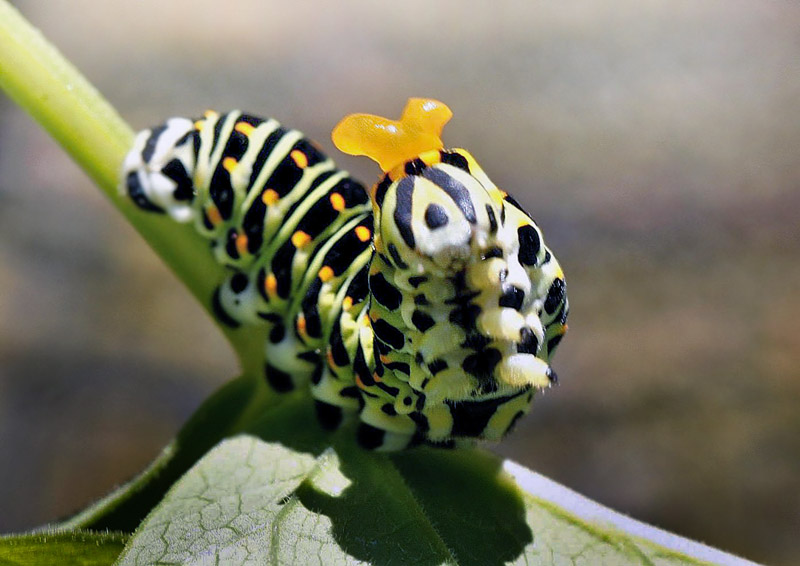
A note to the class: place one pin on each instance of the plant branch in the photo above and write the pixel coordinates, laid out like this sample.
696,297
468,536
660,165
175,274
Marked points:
38,78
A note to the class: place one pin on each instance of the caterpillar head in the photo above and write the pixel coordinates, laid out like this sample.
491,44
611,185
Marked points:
481,296
426,202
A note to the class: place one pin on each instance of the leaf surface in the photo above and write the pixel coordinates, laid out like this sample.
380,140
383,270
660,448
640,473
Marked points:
318,499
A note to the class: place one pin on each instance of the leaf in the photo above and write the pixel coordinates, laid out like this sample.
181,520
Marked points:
79,548
235,507
316,498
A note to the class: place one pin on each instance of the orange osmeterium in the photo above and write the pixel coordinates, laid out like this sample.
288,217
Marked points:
392,142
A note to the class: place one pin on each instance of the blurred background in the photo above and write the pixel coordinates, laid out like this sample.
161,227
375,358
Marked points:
657,143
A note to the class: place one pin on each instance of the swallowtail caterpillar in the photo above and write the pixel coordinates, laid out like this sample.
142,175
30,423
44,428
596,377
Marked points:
428,306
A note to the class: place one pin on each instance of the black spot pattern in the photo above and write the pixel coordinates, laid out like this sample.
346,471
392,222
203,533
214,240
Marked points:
482,364
512,297
369,437
555,296
422,320
220,313
470,418
528,343
529,245
415,167
152,141
455,190
385,293
388,334
436,366
329,416
455,159
239,283
278,379
137,194
403,214
184,188
435,216
492,218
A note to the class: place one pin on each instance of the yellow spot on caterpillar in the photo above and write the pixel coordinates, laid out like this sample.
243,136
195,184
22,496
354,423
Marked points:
496,194
301,324
300,239
363,233
329,357
299,158
503,193
208,114
391,142
244,128
199,125
270,197
384,359
359,383
229,164
473,165
431,158
376,377
213,215
337,202
271,284
347,303
241,244
326,273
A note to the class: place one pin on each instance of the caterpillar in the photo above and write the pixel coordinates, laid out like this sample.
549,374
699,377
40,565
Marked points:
429,305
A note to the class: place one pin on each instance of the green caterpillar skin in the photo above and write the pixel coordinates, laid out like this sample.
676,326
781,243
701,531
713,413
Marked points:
428,306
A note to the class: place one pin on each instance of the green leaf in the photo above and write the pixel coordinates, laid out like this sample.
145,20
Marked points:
79,548
318,499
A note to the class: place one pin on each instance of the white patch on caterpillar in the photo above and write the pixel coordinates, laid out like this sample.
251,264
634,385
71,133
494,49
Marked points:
520,370
158,188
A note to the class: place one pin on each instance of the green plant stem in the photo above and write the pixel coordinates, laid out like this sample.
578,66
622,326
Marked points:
38,78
